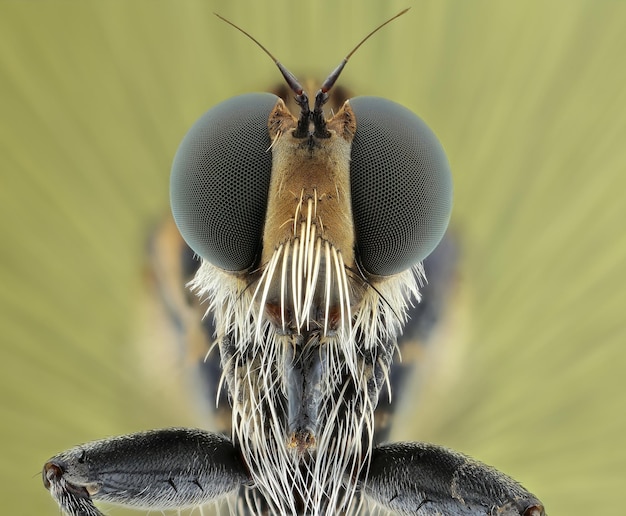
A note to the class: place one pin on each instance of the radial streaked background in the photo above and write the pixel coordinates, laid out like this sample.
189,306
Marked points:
527,97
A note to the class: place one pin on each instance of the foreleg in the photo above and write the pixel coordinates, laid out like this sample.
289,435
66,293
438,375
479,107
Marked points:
159,469
429,480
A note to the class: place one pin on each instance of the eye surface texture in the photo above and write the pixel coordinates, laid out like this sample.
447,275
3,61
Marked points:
220,180
401,186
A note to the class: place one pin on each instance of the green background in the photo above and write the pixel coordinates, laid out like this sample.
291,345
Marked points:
527,97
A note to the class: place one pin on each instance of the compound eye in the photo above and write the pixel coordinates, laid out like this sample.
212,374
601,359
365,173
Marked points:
220,181
401,187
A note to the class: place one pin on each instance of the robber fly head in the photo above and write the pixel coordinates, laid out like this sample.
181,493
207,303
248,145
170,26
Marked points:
400,183
311,231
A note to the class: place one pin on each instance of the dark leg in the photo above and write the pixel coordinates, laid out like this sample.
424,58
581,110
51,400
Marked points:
429,480
160,469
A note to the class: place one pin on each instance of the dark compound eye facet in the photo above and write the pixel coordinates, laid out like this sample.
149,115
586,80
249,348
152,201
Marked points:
220,181
401,186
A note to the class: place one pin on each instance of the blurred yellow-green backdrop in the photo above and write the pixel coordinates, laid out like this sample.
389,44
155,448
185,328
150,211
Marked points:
527,97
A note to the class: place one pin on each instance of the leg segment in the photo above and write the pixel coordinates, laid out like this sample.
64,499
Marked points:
160,469
429,480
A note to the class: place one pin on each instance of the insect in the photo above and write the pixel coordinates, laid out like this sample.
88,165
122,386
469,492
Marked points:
312,232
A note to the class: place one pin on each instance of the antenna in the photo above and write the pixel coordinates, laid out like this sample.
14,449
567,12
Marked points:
321,97
293,83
